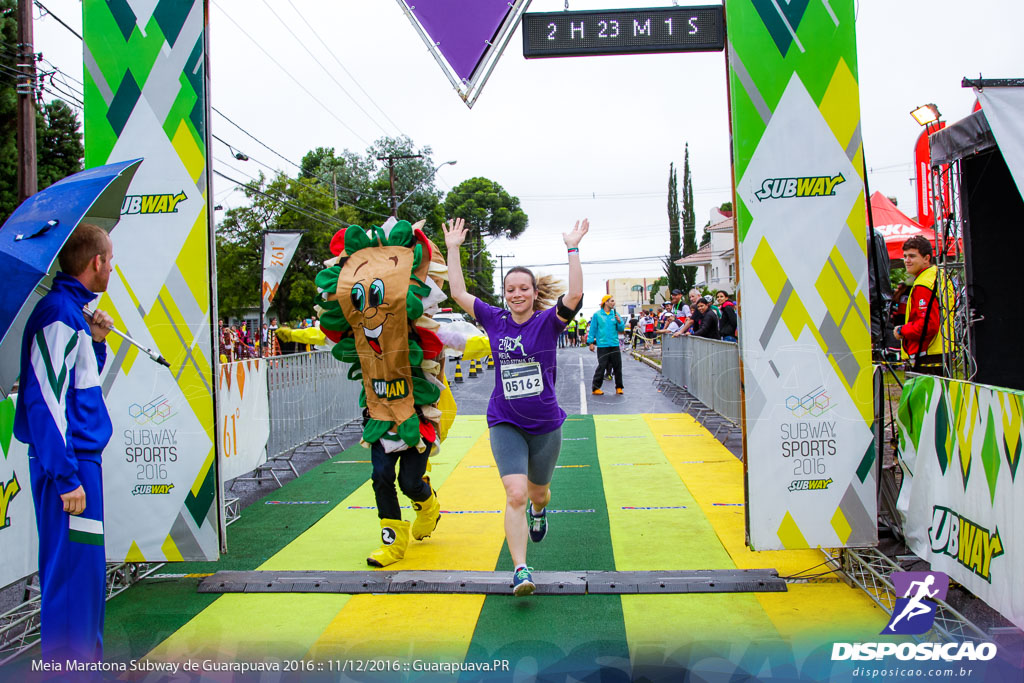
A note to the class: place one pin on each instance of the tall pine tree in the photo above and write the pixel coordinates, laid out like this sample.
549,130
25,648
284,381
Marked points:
672,271
689,222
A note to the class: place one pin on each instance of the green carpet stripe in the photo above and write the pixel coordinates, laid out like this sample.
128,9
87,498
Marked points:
341,539
139,619
548,629
674,535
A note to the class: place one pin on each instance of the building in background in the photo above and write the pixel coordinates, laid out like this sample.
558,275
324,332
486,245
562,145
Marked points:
716,260
633,293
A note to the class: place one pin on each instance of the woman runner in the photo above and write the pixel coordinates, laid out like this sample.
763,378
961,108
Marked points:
523,414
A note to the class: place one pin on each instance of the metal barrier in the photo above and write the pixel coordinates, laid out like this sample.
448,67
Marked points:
310,396
708,369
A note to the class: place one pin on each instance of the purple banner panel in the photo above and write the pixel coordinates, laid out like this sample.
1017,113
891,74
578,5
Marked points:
461,29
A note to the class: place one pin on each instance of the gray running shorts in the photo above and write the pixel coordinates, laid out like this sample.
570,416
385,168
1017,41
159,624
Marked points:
519,452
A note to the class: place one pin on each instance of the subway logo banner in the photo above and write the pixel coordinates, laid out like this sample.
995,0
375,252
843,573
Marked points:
18,537
145,96
800,221
960,445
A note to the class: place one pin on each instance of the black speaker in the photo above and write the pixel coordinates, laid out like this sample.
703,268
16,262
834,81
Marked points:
994,252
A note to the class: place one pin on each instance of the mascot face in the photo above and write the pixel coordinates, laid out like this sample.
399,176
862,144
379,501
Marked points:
372,289
372,294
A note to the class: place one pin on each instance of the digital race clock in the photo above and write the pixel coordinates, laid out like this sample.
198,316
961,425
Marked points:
624,31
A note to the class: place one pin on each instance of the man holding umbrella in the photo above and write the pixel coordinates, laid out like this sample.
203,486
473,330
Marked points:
62,417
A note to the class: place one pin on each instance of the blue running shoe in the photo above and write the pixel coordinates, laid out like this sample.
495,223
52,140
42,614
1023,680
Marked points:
522,582
538,524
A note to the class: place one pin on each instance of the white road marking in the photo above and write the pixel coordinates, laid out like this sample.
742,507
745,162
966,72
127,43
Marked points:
583,390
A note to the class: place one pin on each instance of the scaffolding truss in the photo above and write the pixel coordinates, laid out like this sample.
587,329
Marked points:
949,257
19,627
870,570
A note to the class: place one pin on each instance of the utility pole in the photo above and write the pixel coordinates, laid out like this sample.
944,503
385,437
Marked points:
27,178
390,158
501,260
334,187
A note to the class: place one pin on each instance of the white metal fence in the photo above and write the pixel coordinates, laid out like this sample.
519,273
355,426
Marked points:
310,396
709,370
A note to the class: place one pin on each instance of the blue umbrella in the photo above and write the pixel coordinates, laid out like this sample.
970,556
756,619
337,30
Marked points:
33,236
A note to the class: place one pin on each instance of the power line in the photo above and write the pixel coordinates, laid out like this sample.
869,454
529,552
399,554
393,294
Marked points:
338,61
218,111
320,64
290,196
321,181
10,71
287,73
61,71
66,97
333,222
612,195
633,259
11,51
57,19
64,84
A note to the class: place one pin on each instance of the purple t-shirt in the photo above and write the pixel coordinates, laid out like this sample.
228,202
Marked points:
525,368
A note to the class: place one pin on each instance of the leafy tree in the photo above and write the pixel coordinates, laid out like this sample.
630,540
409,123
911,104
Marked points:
345,176
59,143
281,203
897,276
489,211
363,182
59,149
8,110
332,191
674,272
689,222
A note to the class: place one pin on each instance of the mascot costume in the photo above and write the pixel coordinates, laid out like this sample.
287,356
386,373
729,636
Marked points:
373,296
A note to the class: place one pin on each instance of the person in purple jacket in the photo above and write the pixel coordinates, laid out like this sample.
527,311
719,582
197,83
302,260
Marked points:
523,414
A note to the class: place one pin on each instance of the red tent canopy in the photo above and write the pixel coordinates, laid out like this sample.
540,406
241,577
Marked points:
894,225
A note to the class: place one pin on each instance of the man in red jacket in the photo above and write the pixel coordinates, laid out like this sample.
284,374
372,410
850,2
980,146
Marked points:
922,343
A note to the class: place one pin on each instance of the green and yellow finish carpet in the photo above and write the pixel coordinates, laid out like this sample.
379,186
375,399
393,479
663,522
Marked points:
631,492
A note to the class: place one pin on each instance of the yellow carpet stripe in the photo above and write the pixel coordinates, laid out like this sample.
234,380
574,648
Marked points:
252,627
806,609
288,624
343,538
437,627
665,539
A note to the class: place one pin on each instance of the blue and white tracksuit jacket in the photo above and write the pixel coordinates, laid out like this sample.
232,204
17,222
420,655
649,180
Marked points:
62,417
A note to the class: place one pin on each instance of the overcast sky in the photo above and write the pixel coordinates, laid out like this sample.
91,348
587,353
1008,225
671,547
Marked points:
587,136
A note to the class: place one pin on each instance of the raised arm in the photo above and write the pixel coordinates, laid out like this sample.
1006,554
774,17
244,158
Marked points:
572,242
454,236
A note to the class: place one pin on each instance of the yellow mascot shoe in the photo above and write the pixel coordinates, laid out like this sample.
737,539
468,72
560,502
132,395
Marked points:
428,514
394,539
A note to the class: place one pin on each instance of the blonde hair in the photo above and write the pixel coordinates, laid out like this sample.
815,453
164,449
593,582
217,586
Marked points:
548,287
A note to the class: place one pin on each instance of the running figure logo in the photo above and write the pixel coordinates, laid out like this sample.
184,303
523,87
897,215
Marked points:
914,613
509,344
